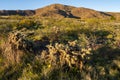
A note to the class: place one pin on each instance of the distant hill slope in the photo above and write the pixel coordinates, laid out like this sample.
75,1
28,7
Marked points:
55,10
17,12
88,13
59,10
116,15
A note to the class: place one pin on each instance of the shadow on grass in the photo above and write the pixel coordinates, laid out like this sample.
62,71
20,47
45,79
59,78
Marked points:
105,63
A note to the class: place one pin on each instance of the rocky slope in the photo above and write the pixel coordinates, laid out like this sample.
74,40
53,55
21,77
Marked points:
17,12
59,10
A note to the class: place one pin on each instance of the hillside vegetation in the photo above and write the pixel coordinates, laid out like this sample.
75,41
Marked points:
34,48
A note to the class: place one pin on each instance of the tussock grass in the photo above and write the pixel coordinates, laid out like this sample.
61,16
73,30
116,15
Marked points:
62,49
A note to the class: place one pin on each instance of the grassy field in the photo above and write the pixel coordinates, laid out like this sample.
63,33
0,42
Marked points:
34,48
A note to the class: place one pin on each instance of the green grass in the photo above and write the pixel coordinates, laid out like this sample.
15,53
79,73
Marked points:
65,36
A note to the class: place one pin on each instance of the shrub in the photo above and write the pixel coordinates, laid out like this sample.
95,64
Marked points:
28,24
70,54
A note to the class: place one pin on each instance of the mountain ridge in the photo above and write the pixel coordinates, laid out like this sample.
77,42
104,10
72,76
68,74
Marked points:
60,10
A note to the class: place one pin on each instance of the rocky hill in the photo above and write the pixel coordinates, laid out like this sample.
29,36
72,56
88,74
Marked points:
55,10
17,12
115,15
59,10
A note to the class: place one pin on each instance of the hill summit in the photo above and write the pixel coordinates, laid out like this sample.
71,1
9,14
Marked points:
60,10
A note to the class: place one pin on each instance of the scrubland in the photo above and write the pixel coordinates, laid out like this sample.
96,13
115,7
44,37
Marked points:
36,48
